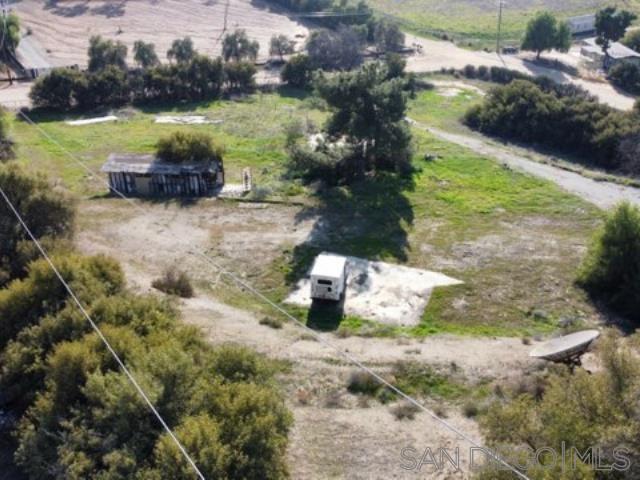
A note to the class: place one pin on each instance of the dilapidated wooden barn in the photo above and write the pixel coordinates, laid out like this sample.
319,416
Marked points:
146,175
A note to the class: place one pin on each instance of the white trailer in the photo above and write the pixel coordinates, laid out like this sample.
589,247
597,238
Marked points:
328,277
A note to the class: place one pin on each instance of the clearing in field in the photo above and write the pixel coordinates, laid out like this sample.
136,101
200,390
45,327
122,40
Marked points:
514,240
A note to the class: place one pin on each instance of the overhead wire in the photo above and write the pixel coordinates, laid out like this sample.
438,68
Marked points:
102,337
246,286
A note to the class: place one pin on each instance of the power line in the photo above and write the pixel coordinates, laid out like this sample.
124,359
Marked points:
244,285
102,337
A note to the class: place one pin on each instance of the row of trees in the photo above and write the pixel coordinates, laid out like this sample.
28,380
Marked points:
562,117
108,81
340,49
78,414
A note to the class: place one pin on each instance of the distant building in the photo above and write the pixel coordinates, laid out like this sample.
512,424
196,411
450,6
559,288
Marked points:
146,175
582,25
617,53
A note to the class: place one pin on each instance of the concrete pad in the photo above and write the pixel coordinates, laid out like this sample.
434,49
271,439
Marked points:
185,120
89,121
383,292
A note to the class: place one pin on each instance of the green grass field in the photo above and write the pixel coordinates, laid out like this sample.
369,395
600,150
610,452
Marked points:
443,107
514,240
473,23
252,133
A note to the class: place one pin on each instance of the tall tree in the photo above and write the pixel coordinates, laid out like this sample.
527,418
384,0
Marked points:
544,32
369,111
387,36
145,54
181,50
10,32
237,46
104,53
280,45
611,25
335,50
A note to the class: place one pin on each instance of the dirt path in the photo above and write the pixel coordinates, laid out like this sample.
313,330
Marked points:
601,193
438,54
335,434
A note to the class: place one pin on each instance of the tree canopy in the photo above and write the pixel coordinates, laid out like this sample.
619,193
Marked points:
367,123
182,50
103,53
10,32
387,36
280,46
145,54
47,211
339,49
612,268
237,46
180,147
544,32
611,25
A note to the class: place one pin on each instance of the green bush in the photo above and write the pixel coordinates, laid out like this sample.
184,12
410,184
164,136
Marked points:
626,75
181,147
174,282
297,71
561,117
49,212
611,270
362,382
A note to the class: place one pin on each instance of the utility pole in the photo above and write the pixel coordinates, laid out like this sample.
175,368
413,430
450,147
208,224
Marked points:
500,6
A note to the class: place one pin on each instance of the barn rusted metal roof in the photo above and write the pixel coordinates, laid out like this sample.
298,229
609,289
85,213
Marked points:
150,164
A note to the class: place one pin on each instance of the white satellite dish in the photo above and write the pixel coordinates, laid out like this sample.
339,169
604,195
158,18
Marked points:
568,348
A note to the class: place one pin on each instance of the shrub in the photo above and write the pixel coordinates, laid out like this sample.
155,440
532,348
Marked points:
626,75
562,117
469,71
470,409
404,410
174,282
239,75
59,89
362,382
180,147
271,322
297,71
632,40
611,270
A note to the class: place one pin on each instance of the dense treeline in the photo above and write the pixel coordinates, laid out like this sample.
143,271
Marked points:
78,414
108,82
561,117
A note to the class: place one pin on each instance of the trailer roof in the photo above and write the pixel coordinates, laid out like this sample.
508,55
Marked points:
149,164
329,265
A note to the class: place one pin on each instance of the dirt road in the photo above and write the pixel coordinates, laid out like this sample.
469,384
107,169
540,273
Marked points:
438,54
601,193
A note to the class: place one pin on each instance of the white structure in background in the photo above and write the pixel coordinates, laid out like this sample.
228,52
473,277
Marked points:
582,25
328,277
617,53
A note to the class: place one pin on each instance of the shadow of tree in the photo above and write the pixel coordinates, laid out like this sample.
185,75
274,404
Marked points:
370,219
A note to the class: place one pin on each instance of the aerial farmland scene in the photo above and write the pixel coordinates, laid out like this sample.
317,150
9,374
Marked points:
319,239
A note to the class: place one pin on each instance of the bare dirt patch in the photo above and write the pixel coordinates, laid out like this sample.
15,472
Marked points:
389,294
63,28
